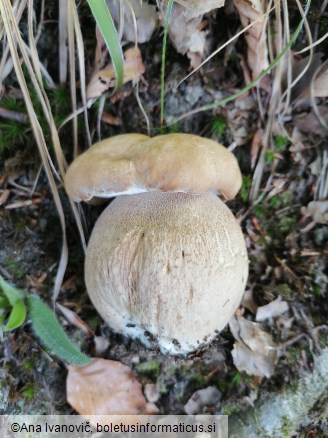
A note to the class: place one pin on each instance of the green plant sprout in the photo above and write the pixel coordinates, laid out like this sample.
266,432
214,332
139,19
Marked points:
280,143
219,125
16,305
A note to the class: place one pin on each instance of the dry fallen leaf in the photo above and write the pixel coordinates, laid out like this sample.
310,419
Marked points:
195,8
320,84
256,147
275,308
4,196
251,362
104,78
248,301
319,211
304,68
152,392
145,16
106,387
201,398
309,123
254,351
186,27
110,119
75,320
101,343
257,51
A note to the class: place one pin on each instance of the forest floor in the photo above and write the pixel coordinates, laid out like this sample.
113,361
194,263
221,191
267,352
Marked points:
286,242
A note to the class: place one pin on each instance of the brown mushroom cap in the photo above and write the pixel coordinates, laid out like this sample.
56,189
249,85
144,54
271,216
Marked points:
135,163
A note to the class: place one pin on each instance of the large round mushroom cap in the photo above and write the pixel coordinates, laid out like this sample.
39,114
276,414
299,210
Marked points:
135,163
171,266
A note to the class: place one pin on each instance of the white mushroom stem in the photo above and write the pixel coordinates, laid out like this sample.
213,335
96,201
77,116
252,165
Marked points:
171,265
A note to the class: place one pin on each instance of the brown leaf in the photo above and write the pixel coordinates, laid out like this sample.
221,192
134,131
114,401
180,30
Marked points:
4,196
320,84
309,122
75,320
257,51
106,387
110,119
102,80
301,66
255,147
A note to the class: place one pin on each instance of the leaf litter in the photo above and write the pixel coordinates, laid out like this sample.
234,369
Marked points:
106,387
254,351
186,27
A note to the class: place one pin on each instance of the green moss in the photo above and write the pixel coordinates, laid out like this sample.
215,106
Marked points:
293,354
323,20
269,157
281,200
286,428
219,125
20,224
286,224
198,379
149,369
280,143
29,391
172,129
260,211
28,364
94,321
12,134
230,409
15,269
284,290
245,188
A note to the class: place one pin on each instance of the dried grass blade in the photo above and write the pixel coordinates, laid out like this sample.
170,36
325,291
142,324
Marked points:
166,28
71,57
81,59
14,40
63,55
6,64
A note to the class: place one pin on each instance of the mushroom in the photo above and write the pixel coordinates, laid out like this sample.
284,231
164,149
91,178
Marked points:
166,260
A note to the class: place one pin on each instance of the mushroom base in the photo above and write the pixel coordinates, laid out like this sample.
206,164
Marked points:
169,267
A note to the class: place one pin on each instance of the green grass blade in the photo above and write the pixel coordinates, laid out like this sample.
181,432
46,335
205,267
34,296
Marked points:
17,316
108,30
52,334
10,292
166,28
